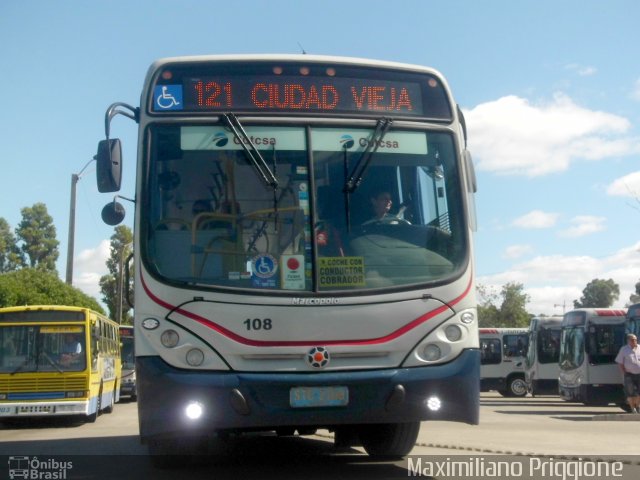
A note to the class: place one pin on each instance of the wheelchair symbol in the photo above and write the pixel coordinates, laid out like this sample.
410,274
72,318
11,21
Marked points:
169,97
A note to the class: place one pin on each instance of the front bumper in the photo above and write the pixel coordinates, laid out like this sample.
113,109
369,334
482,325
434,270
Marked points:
237,401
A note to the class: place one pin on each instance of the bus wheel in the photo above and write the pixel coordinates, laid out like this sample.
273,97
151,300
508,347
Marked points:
517,387
393,440
94,416
109,409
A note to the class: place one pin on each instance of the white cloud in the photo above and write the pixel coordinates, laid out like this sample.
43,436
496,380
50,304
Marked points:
88,266
536,219
581,70
513,136
557,279
627,186
517,251
584,225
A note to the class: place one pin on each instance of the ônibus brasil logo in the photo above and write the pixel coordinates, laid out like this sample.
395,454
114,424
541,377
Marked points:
318,357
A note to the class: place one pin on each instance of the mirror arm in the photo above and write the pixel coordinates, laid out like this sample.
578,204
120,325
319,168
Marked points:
115,109
132,200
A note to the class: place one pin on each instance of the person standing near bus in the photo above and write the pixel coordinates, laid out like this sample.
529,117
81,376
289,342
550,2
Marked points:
629,361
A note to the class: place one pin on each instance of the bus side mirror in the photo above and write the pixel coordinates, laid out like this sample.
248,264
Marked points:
109,165
113,213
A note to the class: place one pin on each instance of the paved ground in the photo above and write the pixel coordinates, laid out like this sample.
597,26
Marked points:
539,426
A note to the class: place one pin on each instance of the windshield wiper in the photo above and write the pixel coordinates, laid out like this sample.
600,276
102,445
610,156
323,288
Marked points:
52,362
355,178
254,156
21,366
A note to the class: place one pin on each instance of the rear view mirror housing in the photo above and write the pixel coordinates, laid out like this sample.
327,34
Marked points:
113,213
109,165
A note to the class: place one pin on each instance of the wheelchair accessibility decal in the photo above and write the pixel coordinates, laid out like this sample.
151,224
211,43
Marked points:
167,97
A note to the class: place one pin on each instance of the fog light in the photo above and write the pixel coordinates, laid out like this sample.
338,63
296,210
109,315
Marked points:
194,410
169,338
432,352
195,357
467,317
453,333
434,404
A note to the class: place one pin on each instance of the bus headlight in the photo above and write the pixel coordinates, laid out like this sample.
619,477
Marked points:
432,352
194,410
169,338
195,357
453,333
433,403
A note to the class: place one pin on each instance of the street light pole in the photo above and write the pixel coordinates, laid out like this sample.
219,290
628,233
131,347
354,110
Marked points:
75,178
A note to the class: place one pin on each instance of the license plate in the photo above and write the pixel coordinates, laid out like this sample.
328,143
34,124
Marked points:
306,397
6,410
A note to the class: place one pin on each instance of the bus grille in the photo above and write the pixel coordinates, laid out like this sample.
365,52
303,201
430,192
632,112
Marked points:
43,384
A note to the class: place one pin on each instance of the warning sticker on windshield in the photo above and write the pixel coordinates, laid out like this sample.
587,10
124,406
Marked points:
341,272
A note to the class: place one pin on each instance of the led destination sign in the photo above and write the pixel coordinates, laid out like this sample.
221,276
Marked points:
303,94
256,89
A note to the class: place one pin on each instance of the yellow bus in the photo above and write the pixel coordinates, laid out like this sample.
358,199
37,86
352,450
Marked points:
57,360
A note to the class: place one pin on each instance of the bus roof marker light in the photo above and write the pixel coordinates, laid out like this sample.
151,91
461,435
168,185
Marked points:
167,75
194,410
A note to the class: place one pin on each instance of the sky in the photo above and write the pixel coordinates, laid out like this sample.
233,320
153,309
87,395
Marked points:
550,90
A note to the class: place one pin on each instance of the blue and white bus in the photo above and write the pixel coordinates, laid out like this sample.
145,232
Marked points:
590,341
269,295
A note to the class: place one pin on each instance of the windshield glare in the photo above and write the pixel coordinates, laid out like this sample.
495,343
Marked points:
213,220
42,349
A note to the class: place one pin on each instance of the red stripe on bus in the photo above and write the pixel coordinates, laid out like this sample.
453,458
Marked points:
610,313
298,343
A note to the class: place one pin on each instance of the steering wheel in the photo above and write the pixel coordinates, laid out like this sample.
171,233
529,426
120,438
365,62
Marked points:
392,220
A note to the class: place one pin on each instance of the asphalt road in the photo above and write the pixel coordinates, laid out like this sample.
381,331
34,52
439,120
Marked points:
526,431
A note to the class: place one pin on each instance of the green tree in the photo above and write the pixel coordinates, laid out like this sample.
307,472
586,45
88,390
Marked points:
30,286
488,313
635,297
38,235
512,310
11,258
598,294
121,248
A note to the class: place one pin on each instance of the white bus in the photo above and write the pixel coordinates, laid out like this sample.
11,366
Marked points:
541,367
591,338
633,320
265,297
502,353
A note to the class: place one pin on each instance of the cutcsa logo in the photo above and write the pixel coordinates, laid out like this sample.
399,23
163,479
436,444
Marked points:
346,142
220,139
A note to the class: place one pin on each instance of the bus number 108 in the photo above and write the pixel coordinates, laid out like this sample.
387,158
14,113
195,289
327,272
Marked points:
258,324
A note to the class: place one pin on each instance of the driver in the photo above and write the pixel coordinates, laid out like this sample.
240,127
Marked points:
381,204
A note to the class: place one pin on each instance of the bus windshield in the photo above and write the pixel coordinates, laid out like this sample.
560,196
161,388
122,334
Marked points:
548,345
32,348
214,219
572,348
603,343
